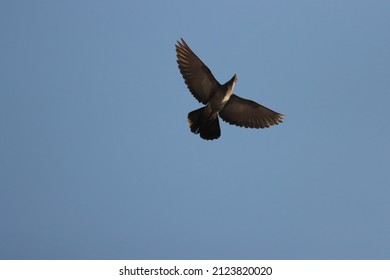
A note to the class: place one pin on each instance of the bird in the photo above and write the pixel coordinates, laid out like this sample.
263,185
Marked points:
219,100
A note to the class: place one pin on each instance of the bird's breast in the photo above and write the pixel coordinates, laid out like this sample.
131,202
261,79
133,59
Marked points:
219,100
227,97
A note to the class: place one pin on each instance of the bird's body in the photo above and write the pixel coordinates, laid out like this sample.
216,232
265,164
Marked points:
219,99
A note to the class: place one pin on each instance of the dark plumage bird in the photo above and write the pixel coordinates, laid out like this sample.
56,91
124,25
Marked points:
219,99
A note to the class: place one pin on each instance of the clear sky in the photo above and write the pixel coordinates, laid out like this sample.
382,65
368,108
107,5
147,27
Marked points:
97,160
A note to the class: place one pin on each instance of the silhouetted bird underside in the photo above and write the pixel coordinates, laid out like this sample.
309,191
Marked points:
219,99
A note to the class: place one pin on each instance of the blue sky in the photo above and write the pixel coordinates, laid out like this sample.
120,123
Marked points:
97,160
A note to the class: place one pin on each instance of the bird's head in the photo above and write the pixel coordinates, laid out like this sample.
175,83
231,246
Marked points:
232,82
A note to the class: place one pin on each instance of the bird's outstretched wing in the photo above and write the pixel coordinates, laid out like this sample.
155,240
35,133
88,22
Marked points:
198,77
247,113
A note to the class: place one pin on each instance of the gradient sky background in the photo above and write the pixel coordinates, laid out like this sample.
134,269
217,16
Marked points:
97,160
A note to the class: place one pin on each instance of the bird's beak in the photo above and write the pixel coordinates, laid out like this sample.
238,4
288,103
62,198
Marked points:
234,81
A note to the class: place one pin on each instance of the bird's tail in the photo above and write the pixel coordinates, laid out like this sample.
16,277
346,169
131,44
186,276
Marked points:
202,122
